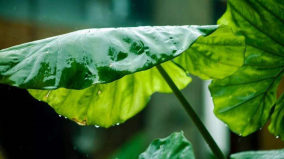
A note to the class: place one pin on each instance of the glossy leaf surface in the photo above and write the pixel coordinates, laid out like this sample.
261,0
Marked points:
175,146
245,99
79,59
102,64
272,154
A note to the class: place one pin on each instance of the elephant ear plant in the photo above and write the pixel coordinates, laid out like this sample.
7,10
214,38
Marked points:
105,76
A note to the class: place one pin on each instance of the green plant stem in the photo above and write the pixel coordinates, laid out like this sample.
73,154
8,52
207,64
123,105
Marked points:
196,120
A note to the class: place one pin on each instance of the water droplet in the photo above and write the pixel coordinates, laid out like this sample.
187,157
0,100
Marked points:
47,95
117,124
240,135
99,92
59,115
277,137
97,126
65,117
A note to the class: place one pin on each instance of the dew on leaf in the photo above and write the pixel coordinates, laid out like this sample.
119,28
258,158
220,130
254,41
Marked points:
47,95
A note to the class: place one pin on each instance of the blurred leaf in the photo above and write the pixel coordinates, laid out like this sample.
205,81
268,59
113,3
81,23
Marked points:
1,155
245,99
175,146
132,148
272,154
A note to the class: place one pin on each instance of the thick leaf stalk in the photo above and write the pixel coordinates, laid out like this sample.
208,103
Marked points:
196,120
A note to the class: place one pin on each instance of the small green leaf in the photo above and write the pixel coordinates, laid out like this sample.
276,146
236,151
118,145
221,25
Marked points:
175,146
276,125
272,154
245,99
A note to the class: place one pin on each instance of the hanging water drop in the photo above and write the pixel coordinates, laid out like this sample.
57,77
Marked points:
117,124
59,115
97,126
277,137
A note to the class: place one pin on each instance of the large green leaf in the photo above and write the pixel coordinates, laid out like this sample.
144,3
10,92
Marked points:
272,154
82,58
89,58
111,103
95,60
175,146
277,119
245,99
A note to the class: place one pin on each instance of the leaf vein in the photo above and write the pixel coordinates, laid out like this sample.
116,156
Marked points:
256,27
